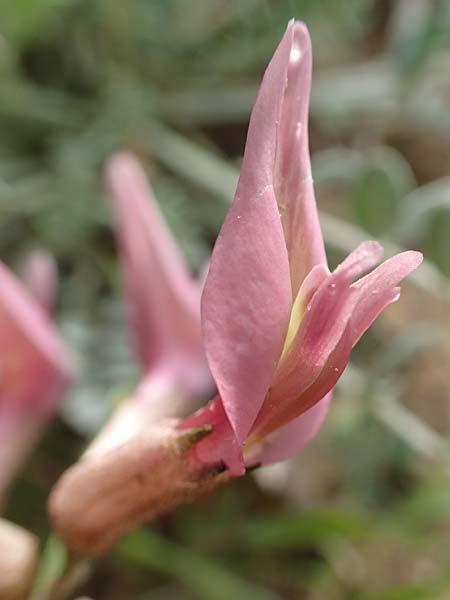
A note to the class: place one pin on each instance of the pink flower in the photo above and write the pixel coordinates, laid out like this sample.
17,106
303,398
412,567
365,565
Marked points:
136,467
34,365
163,299
278,327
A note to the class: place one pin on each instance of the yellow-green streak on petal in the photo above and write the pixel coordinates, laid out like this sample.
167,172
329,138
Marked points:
297,312
308,288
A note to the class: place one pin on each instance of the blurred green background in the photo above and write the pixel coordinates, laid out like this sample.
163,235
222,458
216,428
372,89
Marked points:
364,512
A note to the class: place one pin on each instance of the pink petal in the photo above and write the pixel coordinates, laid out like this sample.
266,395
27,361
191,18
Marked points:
247,298
271,419
377,289
293,181
34,363
287,441
164,301
312,282
34,372
310,285
319,351
220,446
40,277
324,321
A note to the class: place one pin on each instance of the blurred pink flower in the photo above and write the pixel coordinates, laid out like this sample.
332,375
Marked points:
278,327
34,365
163,298
136,465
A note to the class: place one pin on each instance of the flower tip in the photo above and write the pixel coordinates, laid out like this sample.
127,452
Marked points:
125,180
301,40
119,166
123,172
300,28
416,257
371,250
372,247
408,261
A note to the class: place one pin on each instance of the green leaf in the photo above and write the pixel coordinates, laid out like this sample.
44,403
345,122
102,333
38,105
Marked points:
437,241
51,567
206,579
374,201
380,188
419,208
23,20
293,530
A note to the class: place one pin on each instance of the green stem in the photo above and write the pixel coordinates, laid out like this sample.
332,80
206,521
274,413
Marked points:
58,573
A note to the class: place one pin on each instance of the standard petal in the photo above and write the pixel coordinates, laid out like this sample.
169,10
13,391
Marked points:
378,289
293,181
220,446
164,301
287,441
247,298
